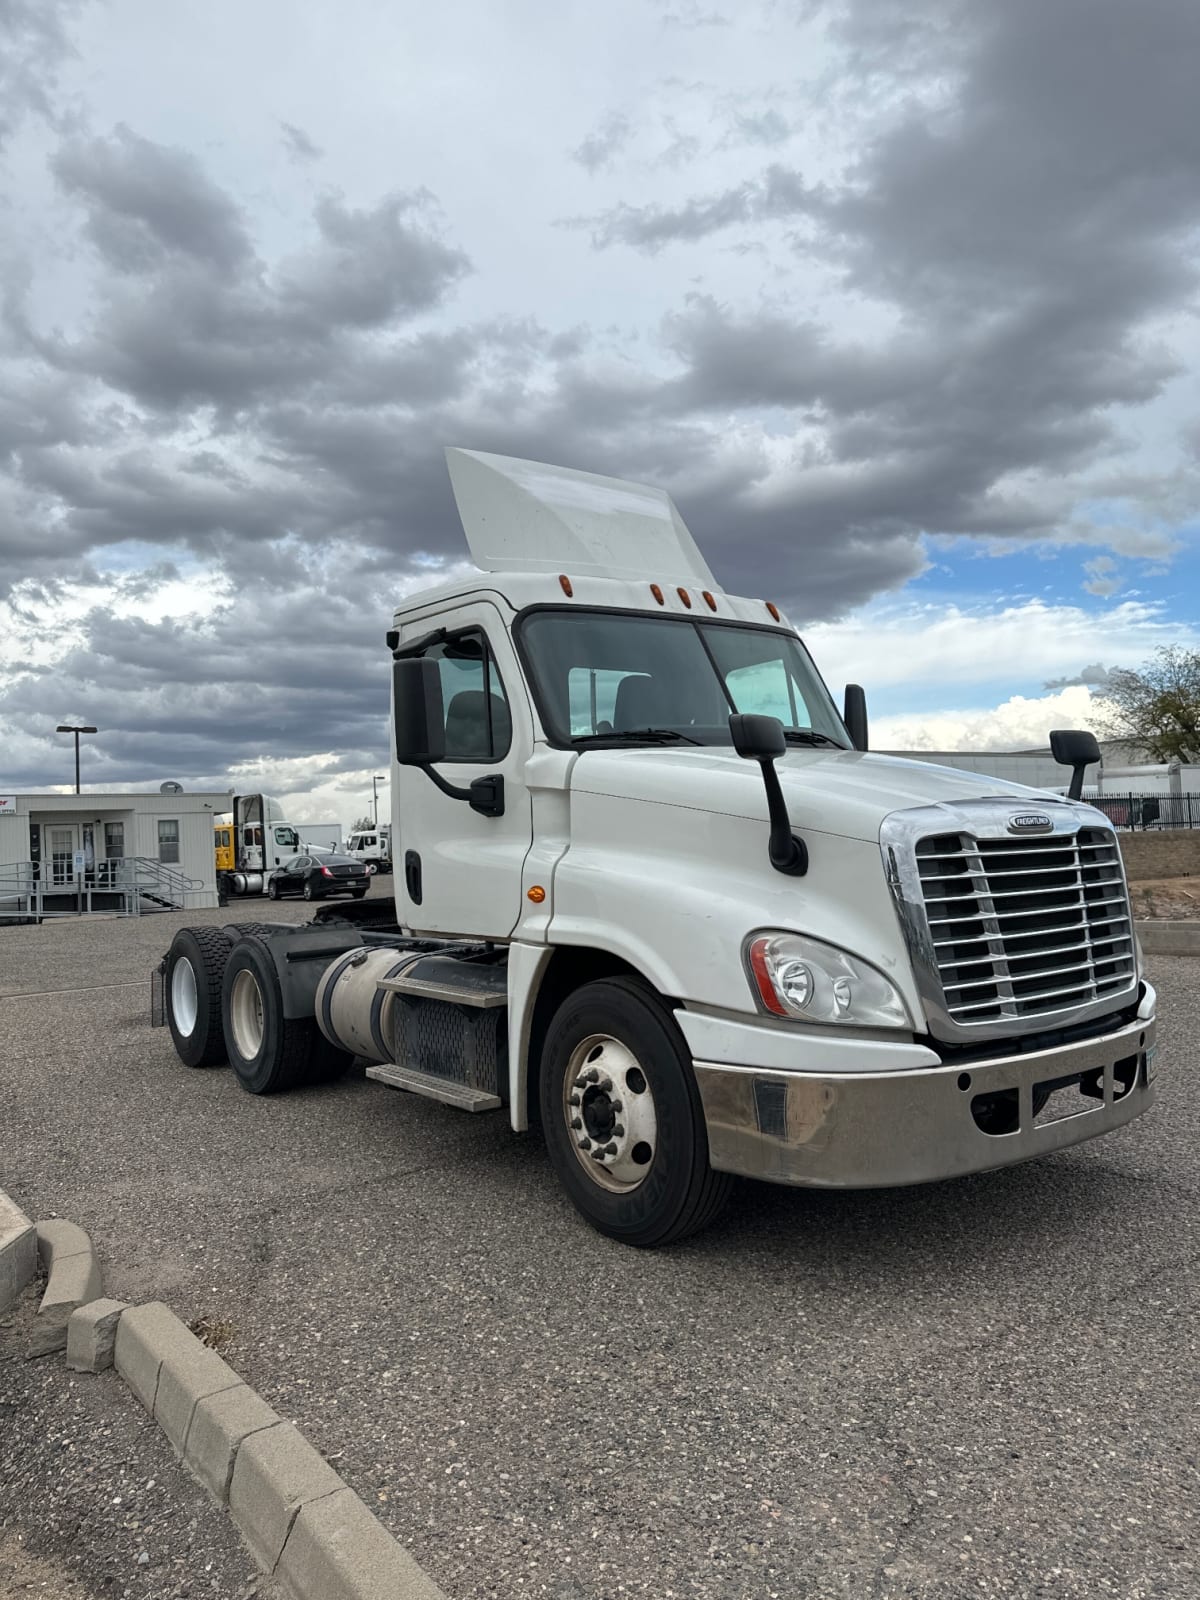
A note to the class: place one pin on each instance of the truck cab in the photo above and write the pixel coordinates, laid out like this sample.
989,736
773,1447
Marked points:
373,846
251,842
654,894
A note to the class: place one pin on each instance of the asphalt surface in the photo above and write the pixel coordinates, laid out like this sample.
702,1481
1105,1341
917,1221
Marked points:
986,1387
94,1502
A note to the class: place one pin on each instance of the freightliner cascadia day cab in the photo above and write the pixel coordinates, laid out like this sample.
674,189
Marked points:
653,895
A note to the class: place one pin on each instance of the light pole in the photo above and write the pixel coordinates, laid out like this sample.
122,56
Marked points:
375,782
70,727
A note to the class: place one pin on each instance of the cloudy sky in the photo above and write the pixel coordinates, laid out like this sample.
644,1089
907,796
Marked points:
901,312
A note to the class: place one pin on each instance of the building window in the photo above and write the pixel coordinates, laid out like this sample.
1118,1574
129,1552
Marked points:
114,841
168,840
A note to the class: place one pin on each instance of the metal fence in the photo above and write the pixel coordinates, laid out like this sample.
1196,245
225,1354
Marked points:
1136,811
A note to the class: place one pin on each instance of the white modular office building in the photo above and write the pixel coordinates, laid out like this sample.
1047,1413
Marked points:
130,852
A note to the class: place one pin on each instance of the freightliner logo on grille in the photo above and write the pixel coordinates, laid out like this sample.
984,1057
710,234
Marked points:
1030,822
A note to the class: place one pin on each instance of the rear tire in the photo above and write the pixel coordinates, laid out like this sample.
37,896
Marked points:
642,1177
358,893
267,1051
272,890
309,892
192,994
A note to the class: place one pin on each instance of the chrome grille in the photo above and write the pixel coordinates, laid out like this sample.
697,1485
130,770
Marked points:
1022,928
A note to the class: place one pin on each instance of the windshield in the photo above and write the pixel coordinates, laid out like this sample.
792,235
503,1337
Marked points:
608,675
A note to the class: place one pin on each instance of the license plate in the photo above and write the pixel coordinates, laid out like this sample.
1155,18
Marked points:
1151,1063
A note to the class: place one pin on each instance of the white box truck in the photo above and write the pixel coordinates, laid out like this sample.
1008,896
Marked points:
653,894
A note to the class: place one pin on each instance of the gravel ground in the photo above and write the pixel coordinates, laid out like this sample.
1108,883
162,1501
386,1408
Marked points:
93,1501
985,1387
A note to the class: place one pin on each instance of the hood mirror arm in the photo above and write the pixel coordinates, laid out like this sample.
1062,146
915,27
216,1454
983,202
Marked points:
761,739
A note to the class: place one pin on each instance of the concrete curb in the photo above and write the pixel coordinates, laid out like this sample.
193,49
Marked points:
18,1252
304,1525
1161,938
72,1269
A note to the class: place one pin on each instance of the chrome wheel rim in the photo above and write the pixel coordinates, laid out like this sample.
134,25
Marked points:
608,1109
246,1014
184,1002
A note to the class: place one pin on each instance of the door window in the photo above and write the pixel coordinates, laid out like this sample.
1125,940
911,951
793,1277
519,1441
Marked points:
62,855
475,710
168,840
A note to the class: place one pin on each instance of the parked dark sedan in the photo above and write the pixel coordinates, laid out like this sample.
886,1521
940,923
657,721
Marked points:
317,876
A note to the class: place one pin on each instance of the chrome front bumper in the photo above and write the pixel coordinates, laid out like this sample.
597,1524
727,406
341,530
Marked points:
860,1130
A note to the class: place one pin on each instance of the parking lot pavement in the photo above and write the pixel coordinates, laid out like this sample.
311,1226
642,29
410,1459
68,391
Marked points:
982,1387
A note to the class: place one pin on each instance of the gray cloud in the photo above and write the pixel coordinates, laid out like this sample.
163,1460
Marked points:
1095,676
1019,207
604,143
298,144
778,194
145,203
33,42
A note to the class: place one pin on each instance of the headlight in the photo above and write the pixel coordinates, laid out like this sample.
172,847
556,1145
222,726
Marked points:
815,982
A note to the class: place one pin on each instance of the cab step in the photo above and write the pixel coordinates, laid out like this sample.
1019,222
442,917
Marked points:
459,1095
448,978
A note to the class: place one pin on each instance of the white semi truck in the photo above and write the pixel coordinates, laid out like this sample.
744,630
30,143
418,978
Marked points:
372,846
251,841
653,894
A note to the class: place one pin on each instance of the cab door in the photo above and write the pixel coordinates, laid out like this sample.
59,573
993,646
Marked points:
458,871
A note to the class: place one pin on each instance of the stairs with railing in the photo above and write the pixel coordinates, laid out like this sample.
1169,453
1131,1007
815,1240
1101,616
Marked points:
128,886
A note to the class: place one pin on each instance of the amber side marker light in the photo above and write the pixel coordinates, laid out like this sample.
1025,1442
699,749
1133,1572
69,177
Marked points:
762,977
657,593
537,894
708,600
773,609
564,584
685,597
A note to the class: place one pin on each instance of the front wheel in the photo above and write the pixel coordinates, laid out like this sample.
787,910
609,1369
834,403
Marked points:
272,890
622,1116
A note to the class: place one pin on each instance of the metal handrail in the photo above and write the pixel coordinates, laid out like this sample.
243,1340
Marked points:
25,887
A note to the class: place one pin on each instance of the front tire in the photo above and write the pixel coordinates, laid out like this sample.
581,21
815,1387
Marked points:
622,1116
192,994
272,890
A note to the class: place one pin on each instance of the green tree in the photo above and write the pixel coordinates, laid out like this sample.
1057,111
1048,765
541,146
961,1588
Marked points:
1158,707
363,825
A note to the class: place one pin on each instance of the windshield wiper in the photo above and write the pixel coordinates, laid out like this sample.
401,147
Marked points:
637,736
810,736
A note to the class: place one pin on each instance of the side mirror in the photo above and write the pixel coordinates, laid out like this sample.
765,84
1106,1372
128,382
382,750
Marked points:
417,716
1077,749
757,738
420,731
761,739
854,715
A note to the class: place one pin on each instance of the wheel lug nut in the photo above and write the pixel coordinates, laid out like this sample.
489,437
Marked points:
597,1155
619,1131
574,1100
606,1084
585,1143
577,1122
617,1106
591,1075
610,1149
